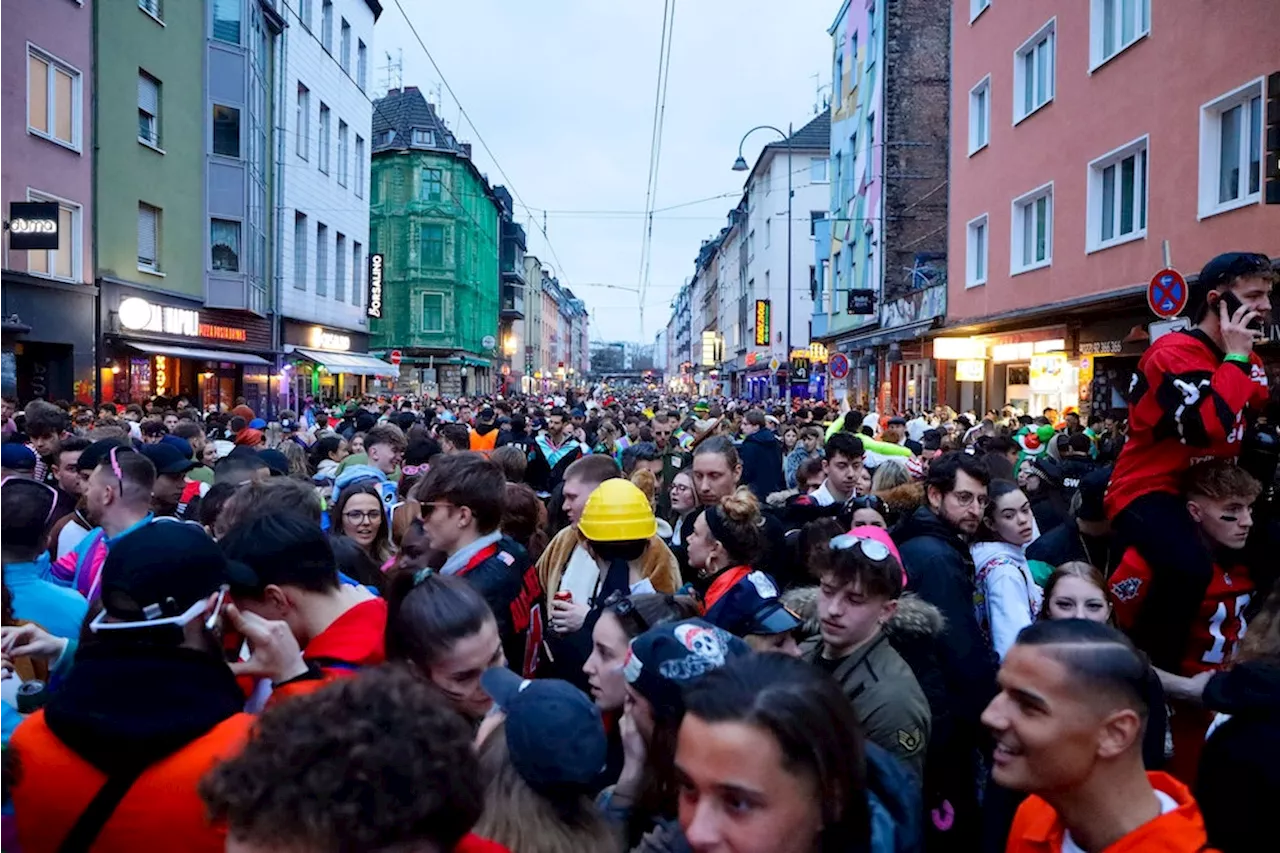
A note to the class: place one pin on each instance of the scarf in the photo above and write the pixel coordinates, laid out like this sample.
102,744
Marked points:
458,559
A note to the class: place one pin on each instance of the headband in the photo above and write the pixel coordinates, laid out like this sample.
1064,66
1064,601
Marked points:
716,523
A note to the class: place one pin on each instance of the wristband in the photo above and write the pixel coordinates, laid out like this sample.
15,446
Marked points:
1237,356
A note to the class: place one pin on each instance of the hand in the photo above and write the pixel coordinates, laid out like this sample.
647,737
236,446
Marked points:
1237,336
1192,689
273,650
31,641
634,749
568,616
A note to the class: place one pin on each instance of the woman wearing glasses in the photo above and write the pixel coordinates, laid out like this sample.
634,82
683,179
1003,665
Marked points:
684,502
358,515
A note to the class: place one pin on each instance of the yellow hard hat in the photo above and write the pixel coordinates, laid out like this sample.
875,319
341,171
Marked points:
617,511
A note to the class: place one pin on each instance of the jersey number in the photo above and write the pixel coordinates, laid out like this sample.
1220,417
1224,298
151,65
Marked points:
1219,651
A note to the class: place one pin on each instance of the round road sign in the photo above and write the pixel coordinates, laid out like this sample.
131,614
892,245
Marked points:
1167,293
488,342
838,366
395,357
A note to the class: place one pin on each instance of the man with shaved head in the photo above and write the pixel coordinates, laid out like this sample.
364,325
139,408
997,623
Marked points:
1068,724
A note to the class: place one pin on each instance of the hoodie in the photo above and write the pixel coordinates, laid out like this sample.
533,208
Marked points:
1006,596
761,455
1239,779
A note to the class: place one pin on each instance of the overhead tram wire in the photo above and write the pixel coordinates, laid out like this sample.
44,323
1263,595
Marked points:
462,112
655,148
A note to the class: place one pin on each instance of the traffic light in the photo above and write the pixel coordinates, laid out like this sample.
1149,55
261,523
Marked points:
1271,168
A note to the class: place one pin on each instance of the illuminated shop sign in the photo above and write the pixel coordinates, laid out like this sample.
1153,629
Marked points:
33,225
762,322
321,339
138,315
375,286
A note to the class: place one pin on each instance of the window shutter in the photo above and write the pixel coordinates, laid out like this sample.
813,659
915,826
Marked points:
146,234
148,95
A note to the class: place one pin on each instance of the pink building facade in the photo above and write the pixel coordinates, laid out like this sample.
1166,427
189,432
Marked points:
1086,136
46,136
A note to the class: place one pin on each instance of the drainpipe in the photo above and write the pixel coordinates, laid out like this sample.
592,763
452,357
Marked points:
277,184
93,205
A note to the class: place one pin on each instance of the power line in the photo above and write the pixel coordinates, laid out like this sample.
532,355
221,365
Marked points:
655,147
463,114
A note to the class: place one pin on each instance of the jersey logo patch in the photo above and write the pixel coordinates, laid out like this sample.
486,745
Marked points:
1127,589
910,740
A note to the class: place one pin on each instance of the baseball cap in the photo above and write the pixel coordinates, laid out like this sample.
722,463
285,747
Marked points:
1092,489
1229,266
487,414
276,461
17,457
162,570
257,423
167,459
555,736
752,606
178,443
96,453
896,421
662,660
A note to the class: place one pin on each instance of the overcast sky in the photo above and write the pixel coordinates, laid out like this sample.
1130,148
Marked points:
562,91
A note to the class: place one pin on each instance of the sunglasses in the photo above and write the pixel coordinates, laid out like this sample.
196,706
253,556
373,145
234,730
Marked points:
872,549
52,494
621,605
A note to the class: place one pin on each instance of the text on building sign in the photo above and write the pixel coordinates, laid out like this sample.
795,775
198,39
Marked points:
375,286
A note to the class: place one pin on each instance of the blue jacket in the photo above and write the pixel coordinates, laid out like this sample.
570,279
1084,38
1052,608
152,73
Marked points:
761,455
57,609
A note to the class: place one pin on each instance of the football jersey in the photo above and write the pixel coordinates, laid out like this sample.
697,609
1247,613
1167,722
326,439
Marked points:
1185,405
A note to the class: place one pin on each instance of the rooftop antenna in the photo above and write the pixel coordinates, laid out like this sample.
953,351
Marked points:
393,71
821,103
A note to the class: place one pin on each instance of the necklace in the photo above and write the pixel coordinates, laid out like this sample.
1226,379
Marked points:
1105,567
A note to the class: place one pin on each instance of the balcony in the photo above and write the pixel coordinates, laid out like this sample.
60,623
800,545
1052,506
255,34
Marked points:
512,253
512,301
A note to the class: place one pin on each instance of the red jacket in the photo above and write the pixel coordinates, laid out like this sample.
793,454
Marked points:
354,640
1186,405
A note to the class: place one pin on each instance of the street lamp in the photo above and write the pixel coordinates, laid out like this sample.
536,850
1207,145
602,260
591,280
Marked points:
740,165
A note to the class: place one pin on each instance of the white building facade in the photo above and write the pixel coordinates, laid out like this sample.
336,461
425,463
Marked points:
323,188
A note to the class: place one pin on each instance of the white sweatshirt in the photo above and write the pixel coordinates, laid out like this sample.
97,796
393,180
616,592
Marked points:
1006,597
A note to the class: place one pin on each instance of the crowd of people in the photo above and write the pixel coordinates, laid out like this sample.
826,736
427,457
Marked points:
636,621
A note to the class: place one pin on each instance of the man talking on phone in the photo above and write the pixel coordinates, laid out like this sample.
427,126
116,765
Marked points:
1188,403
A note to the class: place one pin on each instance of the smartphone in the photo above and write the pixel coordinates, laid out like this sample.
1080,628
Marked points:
1234,304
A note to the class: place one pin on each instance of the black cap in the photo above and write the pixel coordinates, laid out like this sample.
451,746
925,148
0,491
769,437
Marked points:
1229,266
96,453
178,443
931,439
17,457
1093,488
662,660
486,414
163,568
555,736
896,421
276,461
167,458
752,606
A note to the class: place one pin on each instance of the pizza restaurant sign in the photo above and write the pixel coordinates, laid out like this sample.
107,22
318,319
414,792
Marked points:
139,315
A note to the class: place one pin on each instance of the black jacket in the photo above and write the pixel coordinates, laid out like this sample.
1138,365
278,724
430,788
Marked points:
1065,543
1239,779
761,455
508,580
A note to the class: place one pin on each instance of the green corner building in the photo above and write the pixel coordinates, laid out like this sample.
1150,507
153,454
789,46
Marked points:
435,220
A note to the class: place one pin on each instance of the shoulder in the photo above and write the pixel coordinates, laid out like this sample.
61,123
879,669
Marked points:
1035,827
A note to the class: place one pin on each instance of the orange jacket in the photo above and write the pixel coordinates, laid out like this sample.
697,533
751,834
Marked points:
486,442
1037,829
160,812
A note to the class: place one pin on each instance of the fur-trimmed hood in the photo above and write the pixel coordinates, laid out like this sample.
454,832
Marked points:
905,499
915,618
778,500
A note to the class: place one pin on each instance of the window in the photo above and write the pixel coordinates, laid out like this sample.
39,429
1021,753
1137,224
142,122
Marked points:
1033,72
152,8
838,75
339,267
63,262
224,245
768,232
751,244
975,259
342,153
867,265
432,184
1115,25
853,61
300,251
1031,242
148,238
1118,196
226,131
375,190
871,145
1231,150
871,35
423,137
326,25
362,65
976,8
357,270
433,245
818,170
302,121
344,46
980,115
433,312
359,167
148,109
383,137
322,160
322,259
815,216
226,21
53,99
304,13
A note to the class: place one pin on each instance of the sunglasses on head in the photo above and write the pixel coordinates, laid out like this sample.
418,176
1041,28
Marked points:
872,549
53,494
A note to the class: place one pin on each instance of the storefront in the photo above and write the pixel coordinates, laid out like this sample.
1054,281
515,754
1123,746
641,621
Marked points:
48,338
161,345
329,365
1031,370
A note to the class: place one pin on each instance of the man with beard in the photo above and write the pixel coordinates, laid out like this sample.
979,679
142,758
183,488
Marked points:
554,451
934,542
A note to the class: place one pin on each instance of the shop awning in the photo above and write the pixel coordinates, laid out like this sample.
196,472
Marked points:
351,363
199,354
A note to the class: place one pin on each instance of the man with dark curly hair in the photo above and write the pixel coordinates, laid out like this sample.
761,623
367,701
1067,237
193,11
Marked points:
375,763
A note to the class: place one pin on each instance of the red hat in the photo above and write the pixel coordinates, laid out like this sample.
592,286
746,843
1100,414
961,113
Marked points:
249,438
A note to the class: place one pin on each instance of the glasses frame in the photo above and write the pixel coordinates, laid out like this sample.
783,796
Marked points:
872,549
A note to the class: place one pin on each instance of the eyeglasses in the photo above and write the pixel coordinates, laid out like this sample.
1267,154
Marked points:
53,494
872,549
621,605
355,516
429,507
967,499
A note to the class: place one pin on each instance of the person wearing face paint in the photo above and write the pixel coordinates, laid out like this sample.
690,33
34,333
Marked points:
1007,596
1220,498
1068,727
934,544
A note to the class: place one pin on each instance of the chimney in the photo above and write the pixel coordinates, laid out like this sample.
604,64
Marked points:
466,149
